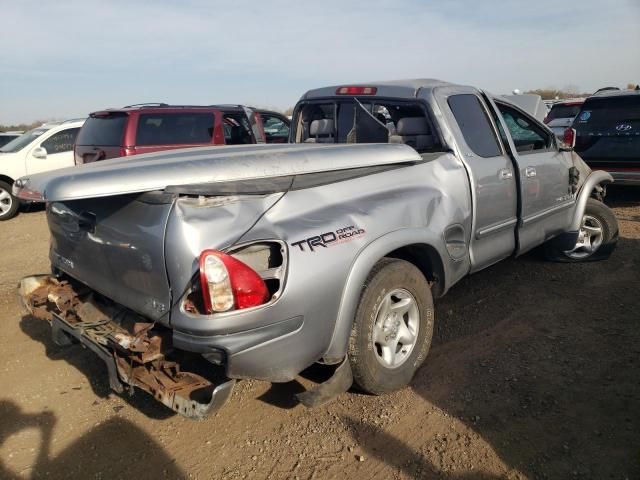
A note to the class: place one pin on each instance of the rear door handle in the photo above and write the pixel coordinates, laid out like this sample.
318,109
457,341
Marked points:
505,174
530,172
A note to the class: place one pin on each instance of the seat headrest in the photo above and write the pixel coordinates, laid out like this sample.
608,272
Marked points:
321,127
413,126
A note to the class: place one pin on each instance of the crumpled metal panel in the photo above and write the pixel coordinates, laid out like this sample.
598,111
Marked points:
156,171
136,354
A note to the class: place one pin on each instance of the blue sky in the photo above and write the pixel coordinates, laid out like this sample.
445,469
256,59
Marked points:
66,58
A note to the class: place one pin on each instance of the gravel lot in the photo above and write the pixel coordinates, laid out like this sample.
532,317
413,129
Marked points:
534,373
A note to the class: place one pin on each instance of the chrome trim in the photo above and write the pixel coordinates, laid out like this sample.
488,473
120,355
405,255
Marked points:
549,211
498,227
595,177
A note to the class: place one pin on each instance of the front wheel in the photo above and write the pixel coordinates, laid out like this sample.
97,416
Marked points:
8,203
597,237
392,331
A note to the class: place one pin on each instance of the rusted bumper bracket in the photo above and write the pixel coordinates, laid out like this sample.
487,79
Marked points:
135,352
58,326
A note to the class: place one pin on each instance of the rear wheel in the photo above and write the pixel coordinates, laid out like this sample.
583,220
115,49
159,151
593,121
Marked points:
597,237
393,327
8,203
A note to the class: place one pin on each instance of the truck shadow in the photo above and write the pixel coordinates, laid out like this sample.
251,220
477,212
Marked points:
114,449
540,361
90,366
622,196
401,456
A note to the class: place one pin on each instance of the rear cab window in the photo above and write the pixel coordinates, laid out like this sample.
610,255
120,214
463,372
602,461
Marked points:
364,120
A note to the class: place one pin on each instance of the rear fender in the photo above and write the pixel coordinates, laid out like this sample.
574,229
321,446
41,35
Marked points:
362,265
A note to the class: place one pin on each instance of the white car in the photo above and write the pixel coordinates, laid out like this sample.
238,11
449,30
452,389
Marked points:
44,148
562,114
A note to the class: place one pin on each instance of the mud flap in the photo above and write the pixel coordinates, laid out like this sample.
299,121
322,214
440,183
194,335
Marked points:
134,352
326,392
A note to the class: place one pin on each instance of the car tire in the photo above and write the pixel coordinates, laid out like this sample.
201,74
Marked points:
9,204
597,239
393,327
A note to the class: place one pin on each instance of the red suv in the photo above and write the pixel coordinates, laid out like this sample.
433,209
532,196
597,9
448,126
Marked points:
146,128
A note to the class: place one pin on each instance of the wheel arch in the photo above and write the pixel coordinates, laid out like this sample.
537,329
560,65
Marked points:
4,178
594,179
422,248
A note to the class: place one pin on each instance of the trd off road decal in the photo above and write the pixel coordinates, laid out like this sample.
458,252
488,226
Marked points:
329,239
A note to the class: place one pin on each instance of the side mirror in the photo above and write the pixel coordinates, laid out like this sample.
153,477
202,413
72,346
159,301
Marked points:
39,152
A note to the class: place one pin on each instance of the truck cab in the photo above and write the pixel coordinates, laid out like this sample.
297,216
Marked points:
522,191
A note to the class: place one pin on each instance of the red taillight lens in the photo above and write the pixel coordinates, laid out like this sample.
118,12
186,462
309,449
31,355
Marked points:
227,283
356,91
569,137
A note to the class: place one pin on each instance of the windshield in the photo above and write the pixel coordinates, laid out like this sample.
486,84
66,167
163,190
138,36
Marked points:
23,140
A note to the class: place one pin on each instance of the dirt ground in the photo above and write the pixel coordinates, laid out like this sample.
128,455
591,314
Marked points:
534,373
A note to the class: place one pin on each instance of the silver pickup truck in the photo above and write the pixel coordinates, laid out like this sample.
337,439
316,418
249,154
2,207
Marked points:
266,259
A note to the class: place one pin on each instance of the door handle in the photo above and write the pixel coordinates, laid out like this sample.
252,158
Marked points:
530,172
505,174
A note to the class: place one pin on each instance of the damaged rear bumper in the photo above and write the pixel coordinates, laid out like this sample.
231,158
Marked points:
135,353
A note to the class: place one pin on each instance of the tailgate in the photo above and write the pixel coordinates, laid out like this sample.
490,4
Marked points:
115,245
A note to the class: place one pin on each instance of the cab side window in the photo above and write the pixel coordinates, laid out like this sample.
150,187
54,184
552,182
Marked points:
526,134
475,125
61,142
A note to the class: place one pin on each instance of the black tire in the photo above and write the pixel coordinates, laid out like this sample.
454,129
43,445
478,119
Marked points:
12,202
606,220
387,276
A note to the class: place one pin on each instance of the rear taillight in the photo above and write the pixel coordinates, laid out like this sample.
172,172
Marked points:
356,91
228,284
569,137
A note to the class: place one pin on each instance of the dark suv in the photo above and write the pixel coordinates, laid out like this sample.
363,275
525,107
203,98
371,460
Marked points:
607,134
148,128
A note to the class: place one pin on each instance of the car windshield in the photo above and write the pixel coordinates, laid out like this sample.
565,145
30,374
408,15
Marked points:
23,140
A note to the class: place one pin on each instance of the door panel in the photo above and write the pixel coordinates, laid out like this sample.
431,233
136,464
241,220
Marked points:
492,178
546,199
